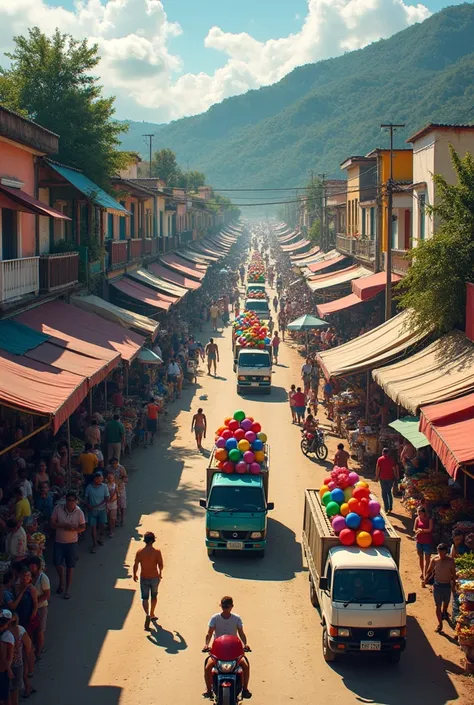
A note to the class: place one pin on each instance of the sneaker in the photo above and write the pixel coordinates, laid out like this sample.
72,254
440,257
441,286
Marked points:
246,694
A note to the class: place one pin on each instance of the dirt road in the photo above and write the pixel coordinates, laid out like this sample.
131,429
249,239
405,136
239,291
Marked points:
98,652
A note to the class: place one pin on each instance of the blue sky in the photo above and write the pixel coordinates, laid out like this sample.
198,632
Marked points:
165,59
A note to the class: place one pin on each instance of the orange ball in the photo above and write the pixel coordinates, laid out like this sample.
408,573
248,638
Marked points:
353,505
221,454
344,509
364,539
259,456
220,430
226,420
323,490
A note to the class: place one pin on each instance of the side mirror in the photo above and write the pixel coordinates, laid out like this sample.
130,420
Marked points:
323,584
203,503
411,598
270,506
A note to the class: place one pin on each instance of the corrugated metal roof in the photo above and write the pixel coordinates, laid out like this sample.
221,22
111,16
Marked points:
88,188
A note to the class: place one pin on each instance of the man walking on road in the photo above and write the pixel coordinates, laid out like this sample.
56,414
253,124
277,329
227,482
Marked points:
150,561
214,311
443,568
115,436
387,472
212,354
95,499
68,520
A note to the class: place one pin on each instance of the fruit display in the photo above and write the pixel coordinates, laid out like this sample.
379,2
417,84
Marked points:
353,512
241,445
249,332
256,270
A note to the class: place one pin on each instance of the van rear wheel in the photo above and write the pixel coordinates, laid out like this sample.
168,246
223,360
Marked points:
328,655
313,595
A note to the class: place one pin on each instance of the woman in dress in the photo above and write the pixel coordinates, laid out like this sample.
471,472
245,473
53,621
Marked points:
121,479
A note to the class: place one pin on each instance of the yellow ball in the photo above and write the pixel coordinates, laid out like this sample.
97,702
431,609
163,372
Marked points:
243,445
323,490
361,483
262,437
345,509
259,456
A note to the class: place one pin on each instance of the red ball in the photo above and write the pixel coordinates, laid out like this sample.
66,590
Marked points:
378,538
256,427
361,492
227,434
366,525
228,467
354,505
364,507
347,537
327,480
233,425
239,434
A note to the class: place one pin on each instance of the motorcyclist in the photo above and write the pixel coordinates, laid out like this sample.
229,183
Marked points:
222,623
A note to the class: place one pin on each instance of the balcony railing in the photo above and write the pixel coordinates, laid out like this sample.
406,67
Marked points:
344,244
18,277
58,271
365,249
118,253
400,262
135,249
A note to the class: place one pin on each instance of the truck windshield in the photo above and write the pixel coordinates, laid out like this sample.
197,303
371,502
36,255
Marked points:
254,360
367,586
258,306
237,499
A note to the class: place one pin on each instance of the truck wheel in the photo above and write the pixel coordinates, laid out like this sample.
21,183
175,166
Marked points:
322,452
313,595
210,552
394,657
328,655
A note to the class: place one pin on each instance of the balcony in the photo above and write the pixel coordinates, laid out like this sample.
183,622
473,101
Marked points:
400,262
135,249
118,253
344,244
18,277
362,248
58,271
151,247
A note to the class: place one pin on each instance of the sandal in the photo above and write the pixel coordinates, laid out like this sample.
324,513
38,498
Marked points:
439,629
67,595
94,549
100,542
207,694
59,591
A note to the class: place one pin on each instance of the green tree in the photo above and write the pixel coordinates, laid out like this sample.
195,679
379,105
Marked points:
314,232
49,80
435,286
191,180
165,167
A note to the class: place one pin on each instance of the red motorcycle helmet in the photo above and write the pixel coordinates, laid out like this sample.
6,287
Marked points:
227,648
309,436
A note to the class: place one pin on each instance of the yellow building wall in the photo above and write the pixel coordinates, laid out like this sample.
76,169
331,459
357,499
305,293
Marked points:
353,199
402,171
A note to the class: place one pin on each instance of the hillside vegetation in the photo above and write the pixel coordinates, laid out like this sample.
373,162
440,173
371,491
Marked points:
321,113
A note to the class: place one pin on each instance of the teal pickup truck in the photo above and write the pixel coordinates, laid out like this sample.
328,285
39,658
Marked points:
236,511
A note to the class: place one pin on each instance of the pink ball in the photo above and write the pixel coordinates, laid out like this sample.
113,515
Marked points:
250,436
241,467
220,443
331,485
228,467
353,478
374,508
246,424
338,524
255,469
249,457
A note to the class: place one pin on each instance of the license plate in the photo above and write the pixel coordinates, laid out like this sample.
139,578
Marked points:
254,384
235,545
370,645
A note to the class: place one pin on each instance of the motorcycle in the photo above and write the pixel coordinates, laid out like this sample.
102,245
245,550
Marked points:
314,442
227,653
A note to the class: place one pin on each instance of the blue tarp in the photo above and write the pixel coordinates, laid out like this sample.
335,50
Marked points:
17,339
89,188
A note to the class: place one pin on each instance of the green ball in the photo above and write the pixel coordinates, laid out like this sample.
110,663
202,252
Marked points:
235,455
239,416
332,508
326,498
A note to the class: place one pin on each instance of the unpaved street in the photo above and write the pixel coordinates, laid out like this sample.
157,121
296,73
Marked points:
98,652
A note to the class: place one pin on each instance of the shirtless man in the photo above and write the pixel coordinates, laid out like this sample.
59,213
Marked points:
341,457
443,568
199,426
150,561
212,353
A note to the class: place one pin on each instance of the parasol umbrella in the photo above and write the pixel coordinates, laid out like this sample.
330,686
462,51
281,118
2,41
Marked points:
148,357
306,323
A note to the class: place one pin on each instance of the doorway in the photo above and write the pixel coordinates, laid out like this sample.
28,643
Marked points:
9,234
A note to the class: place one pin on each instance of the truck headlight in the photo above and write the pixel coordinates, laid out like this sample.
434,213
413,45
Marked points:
395,633
256,535
213,534
343,631
241,378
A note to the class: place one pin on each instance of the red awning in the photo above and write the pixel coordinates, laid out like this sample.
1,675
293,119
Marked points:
298,245
173,277
40,389
368,287
30,204
305,255
144,294
321,266
449,427
83,332
338,305
183,266
95,370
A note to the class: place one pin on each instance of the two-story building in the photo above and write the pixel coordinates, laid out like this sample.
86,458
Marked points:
431,155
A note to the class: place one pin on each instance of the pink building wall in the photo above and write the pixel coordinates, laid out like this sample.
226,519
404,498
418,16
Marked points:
19,164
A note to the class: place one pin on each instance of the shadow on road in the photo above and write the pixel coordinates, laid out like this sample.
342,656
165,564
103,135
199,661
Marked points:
278,395
171,642
283,558
421,676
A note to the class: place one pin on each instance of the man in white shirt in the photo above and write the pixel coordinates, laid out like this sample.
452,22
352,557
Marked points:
221,624
25,484
43,589
68,521
173,374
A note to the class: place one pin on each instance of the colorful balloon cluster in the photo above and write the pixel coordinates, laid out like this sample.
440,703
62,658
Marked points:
256,270
240,445
249,332
355,516
256,294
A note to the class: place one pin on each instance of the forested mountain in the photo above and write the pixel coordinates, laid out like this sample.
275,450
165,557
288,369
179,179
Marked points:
321,113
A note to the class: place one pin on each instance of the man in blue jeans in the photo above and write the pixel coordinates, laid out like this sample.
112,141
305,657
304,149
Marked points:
387,472
95,498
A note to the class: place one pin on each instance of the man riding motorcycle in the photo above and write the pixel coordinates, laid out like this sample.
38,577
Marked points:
221,624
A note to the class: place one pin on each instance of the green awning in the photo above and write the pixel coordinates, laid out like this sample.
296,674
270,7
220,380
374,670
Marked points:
17,339
408,428
93,192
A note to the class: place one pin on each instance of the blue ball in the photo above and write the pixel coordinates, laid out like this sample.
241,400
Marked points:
353,520
267,341
378,522
231,443
257,444
337,495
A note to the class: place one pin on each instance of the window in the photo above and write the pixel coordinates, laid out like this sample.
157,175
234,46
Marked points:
363,221
394,232
122,225
329,575
422,207
9,222
132,220
110,226
372,224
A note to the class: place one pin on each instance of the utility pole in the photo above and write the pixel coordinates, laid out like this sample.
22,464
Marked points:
388,286
323,211
149,139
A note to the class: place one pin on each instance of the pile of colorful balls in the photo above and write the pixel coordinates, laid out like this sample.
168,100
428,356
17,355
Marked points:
256,294
248,331
354,514
240,445
256,270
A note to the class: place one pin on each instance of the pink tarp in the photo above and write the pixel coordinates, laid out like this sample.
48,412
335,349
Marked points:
173,277
144,294
321,266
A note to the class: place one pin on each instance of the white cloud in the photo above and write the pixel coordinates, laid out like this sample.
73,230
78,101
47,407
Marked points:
139,68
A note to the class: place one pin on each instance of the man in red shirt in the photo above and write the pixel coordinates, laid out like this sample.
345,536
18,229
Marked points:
387,472
299,404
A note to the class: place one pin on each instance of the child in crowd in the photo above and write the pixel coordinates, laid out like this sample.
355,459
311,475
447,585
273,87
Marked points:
112,503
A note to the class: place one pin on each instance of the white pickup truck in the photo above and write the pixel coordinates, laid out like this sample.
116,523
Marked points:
358,591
